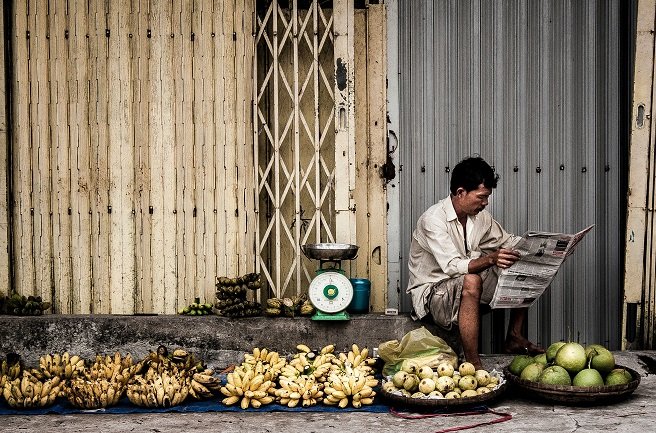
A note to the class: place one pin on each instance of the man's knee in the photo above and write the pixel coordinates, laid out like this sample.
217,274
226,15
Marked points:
472,286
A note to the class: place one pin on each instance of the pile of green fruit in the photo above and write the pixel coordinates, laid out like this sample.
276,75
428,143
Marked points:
22,305
289,307
197,308
416,381
231,296
571,364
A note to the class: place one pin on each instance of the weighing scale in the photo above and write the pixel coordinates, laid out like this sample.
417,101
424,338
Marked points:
330,290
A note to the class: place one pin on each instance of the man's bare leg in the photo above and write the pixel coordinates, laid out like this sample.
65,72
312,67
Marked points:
469,318
515,340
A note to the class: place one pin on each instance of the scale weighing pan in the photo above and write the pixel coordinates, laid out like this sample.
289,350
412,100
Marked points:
330,251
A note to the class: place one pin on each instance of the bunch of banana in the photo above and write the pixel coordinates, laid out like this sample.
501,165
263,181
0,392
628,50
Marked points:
64,365
163,361
94,394
197,308
161,390
24,305
204,384
291,307
303,389
353,385
225,303
273,307
306,308
241,309
249,281
357,358
265,362
30,392
186,360
322,366
11,368
231,296
297,366
247,388
115,369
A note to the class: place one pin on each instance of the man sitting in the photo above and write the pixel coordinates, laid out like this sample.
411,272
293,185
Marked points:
456,251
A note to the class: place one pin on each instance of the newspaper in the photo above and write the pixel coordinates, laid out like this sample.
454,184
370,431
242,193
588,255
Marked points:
541,255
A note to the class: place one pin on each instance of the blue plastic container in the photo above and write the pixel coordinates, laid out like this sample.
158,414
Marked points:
361,293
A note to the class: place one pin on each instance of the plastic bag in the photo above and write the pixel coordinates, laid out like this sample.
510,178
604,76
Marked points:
419,345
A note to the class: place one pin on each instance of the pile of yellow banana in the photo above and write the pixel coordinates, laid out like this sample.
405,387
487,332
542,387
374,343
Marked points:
115,369
63,365
247,387
103,383
30,392
93,394
353,385
169,379
353,382
159,390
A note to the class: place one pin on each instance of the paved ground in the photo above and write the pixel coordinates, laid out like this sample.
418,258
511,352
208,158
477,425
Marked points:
635,414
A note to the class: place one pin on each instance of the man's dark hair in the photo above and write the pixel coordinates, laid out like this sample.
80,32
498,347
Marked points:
471,172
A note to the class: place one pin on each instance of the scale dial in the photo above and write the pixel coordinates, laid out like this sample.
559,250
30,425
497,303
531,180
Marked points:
330,292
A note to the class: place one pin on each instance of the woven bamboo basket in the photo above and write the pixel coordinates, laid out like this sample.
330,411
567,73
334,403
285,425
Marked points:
575,395
400,401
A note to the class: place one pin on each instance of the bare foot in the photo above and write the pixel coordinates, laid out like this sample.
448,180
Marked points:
522,346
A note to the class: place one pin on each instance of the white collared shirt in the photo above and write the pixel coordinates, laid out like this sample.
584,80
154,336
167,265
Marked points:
437,250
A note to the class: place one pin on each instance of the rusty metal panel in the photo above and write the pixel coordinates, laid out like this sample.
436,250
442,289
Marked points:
533,88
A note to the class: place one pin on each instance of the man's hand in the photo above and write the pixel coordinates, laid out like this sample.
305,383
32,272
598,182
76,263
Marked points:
504,258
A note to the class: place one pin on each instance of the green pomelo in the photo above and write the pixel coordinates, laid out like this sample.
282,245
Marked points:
588,377
532,372
553,349
518,364
618,376
602,360
590,347
555,375
541,358
571,357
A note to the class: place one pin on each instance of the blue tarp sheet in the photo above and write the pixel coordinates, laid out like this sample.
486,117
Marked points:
63,407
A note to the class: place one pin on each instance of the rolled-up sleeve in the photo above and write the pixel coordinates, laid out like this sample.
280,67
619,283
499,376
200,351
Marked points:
496,237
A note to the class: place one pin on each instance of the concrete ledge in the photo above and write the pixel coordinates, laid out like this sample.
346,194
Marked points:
219,341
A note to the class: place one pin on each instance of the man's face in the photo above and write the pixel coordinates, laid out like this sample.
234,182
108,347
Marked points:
474,201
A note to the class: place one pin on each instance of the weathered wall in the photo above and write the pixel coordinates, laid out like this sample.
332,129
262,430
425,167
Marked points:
4,215
133,166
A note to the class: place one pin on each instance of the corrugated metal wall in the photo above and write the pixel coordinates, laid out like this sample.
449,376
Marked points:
533,88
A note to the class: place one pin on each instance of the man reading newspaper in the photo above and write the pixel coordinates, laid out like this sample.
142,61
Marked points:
456,253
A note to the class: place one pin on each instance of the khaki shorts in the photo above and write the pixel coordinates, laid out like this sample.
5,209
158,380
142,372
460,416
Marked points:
444,297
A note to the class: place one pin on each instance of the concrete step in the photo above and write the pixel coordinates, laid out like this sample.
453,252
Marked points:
218,340
221,341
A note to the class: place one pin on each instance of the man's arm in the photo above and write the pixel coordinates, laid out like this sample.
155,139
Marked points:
503,258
